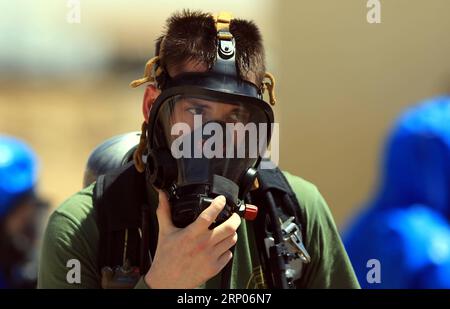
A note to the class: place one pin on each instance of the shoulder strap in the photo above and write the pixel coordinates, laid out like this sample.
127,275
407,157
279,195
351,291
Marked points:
279,229
274,180
121,204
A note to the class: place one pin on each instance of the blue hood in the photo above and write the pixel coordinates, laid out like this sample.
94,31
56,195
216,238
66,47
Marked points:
416,168
405,226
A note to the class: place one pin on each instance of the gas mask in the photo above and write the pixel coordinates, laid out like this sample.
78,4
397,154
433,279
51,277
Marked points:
206,135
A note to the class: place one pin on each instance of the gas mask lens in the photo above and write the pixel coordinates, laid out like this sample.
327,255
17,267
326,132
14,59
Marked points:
202,147
208,137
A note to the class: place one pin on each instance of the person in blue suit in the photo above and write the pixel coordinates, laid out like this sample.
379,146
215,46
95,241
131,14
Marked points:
406,225
21,214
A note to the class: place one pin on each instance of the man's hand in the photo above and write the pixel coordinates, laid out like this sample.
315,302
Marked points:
186,258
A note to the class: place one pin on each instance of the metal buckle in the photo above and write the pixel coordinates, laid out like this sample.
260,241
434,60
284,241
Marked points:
294,250
293,235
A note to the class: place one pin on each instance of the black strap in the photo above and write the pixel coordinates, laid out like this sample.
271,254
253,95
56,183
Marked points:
273,180
122,205
274,189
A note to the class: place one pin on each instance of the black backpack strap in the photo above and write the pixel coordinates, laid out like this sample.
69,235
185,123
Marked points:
280,219
124,218
274,180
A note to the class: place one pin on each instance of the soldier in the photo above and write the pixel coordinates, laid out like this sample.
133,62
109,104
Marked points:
169,218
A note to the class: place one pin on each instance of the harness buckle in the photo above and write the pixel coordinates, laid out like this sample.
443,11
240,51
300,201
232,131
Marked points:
292,235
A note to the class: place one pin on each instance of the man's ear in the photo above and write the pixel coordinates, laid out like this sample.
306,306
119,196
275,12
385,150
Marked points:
150,95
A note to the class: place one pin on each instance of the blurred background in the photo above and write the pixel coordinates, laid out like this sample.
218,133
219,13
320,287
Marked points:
341,81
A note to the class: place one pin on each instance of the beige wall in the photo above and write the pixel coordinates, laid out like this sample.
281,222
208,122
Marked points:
342,81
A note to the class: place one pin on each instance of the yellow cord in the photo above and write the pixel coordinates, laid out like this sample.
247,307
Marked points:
147,73
270,87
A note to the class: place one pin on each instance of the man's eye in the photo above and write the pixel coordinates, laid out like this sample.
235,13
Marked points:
237,117
195,110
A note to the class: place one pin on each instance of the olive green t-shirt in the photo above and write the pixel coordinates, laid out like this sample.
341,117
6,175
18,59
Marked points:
72,233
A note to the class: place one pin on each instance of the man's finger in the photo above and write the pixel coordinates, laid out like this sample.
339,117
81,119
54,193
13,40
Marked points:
225,245
226,229
209,215
224,259
163,213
